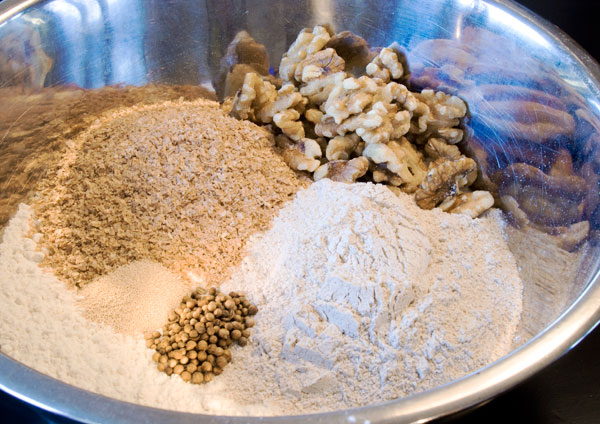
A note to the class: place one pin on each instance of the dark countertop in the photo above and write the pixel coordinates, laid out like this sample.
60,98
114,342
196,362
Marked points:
567,391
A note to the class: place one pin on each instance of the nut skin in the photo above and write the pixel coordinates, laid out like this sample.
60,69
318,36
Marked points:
243,55
353,49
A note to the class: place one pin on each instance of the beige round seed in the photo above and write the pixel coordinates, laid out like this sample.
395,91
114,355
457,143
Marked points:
186,376
208,377
184,360
252,310
191,368
201,345
206,366
223,333
213,339
190,345
155,356
249,322
172,362
243,341
236,334
192,354
178,369
168,370
201,356
160,367
221,361
197,378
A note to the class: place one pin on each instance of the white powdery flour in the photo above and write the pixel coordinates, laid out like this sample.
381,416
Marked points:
362,297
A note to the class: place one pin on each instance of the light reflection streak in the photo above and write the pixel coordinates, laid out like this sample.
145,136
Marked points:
499,16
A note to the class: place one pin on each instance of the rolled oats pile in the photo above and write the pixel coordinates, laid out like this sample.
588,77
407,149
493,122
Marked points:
179,183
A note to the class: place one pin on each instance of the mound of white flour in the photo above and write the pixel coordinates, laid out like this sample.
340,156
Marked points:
362,297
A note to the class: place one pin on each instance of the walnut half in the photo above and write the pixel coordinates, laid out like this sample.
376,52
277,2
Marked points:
400,158
346,171
444,180
471,204
385,66
301,156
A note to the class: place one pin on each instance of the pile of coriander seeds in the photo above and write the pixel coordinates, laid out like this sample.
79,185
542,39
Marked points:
195,343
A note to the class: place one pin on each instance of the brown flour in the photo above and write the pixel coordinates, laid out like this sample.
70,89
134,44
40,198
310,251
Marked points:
179,183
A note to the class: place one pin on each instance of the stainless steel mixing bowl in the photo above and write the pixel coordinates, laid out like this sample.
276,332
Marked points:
533,95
